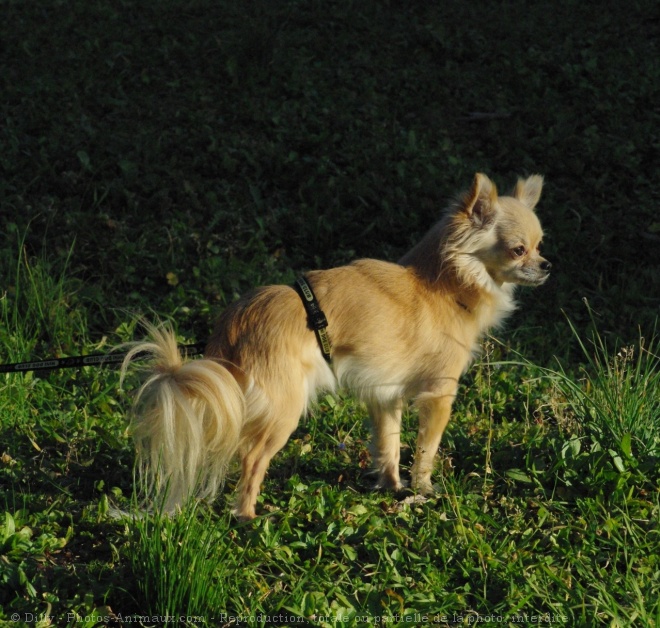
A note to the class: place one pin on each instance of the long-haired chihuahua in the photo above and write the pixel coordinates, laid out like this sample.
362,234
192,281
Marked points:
389,333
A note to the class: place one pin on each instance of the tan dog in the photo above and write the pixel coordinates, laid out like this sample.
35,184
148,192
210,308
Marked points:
398,332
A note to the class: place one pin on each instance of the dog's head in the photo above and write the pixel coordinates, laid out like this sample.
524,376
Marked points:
501,234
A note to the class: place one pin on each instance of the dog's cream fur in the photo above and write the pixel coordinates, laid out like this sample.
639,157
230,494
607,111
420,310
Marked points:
398,331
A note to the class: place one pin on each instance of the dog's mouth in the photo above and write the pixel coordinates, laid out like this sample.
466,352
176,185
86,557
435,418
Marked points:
533,277
524,276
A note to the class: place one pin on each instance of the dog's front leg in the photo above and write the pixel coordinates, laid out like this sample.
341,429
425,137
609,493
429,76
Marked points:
386,443
434,413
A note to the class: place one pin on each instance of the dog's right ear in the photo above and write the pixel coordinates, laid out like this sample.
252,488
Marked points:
528,191
480,202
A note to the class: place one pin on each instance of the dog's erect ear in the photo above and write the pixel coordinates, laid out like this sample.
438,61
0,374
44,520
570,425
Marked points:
479,203
528,191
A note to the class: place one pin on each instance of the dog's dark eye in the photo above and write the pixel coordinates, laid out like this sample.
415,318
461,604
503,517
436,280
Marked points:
519,251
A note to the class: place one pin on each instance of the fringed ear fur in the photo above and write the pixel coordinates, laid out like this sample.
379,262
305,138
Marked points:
528,191
480,202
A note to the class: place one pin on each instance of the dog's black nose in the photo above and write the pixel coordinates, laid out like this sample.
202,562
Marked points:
546,266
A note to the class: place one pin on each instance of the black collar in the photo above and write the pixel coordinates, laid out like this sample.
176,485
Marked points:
315,317
462,305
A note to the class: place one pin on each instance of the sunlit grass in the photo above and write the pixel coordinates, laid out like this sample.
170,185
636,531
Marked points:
614,394
181,563
556,519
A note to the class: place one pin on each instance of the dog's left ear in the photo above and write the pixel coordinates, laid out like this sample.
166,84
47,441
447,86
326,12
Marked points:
528,191
480,203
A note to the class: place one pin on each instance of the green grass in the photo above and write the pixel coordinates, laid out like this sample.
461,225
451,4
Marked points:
180,563
615,395
163,157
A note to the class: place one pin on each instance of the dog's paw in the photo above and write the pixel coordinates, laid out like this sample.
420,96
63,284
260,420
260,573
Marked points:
389,485
424,488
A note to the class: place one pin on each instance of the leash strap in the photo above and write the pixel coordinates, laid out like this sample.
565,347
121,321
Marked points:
315,316
77,361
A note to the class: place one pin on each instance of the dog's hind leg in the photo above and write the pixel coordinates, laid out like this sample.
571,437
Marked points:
275,429
386,444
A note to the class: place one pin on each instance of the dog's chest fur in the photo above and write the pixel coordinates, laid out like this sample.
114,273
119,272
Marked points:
394,335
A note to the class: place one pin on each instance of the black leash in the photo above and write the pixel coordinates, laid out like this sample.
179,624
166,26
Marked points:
97,359
315,316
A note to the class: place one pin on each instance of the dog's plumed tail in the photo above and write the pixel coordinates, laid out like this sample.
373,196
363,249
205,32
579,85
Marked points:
186,424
